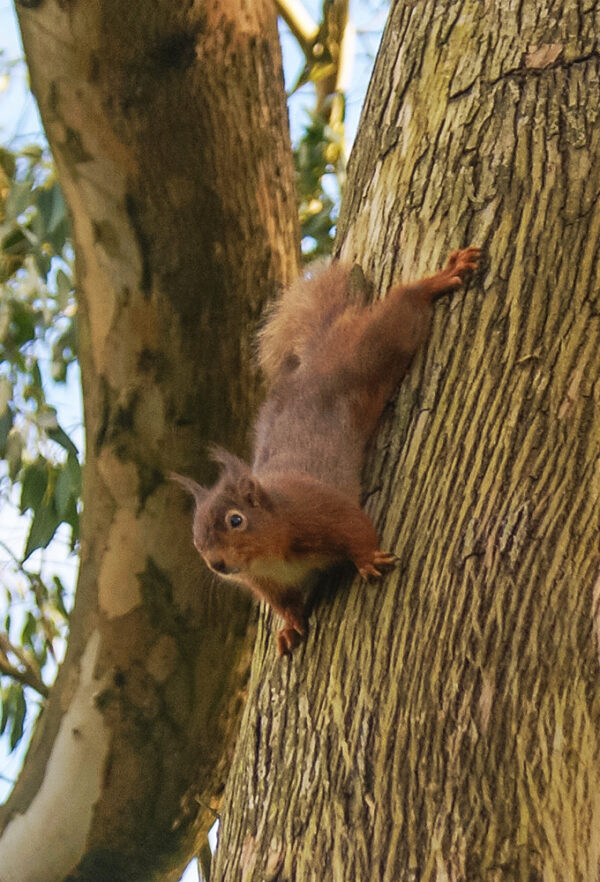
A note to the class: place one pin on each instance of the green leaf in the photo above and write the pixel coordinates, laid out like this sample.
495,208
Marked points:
18,722
64,287
5,710
36,376
74,468
63,491
6,393
6,423
29,630
8,162
12,240
52,217
33,485
14,452
22,323
43,262
18,200
59,597
43,527
71,517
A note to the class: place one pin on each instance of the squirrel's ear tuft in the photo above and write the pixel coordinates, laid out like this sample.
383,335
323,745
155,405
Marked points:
231,464
197,490
251,491
239,478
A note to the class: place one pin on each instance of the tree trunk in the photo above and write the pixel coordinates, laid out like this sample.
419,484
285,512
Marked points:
169,127
445,724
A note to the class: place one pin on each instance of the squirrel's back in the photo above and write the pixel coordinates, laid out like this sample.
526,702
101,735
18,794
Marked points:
332,363
310,423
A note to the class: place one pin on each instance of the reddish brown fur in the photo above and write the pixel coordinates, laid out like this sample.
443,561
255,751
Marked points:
332,364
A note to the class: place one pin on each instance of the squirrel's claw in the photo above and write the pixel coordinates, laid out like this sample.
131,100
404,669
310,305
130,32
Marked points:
369,570
384,558
380,558
461,263
287,640
294,632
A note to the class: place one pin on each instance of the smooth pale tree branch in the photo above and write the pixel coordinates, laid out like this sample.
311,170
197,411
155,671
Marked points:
300,22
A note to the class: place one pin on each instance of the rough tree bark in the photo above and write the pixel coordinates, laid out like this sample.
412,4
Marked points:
445,724
169,127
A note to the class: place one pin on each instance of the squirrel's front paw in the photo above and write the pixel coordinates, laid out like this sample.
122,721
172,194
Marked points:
460,264
287,640
379,558
295,631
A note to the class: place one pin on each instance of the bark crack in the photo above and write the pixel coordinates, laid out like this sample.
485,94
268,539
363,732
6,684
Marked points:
519,73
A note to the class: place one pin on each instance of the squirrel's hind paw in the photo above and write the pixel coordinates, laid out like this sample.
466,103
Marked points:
380,558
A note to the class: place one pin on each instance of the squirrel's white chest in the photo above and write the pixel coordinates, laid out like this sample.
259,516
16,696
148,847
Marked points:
289,572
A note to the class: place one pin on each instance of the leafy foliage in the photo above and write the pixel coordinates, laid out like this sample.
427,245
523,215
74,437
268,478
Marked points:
37,315
14,709
319,163
37,340
320,156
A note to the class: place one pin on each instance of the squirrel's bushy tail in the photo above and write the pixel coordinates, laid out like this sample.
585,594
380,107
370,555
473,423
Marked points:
300,316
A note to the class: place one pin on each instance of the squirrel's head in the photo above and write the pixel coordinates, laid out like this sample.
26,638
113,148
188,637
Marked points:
234,521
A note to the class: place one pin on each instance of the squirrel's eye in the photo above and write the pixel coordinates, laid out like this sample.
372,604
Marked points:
235,520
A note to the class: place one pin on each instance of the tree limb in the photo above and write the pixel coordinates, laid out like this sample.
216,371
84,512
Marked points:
27,673
300,22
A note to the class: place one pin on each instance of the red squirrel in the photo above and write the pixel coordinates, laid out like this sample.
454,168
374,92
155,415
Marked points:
331,365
